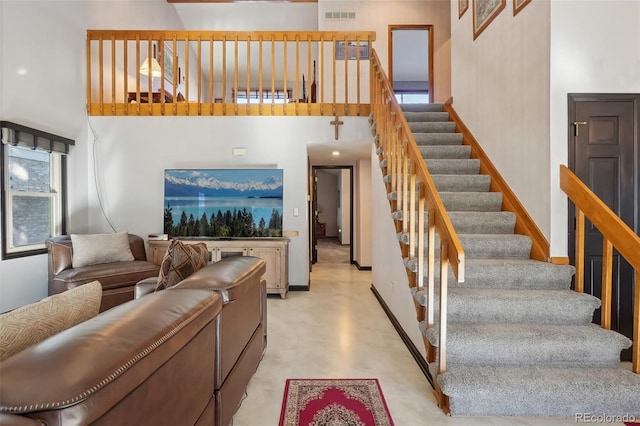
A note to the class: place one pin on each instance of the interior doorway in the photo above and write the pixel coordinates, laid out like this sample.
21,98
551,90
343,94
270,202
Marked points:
332,211
411,62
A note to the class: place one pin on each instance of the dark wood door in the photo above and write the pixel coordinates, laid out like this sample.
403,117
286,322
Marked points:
603,154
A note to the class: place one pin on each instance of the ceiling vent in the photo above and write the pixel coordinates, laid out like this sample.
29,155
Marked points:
340,16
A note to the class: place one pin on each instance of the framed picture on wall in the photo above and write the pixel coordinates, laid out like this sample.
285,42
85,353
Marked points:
351,50
518,5
485,11
169,58
463,5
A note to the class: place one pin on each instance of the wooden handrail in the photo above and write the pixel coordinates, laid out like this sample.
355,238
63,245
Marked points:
616,234
410,179
114,86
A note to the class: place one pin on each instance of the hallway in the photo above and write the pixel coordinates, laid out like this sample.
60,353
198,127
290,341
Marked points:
340,331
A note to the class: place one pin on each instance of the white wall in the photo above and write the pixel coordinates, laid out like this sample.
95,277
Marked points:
500,87
344,210
388,273
378,15
586,61
363,215
510,87
42,86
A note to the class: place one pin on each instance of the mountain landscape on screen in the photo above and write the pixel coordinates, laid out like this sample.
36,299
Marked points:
223,202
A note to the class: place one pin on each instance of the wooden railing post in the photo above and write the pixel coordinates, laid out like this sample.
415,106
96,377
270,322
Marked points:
579,251
442,335
607,280
636,324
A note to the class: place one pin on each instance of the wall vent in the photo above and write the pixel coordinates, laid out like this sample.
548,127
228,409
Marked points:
340,16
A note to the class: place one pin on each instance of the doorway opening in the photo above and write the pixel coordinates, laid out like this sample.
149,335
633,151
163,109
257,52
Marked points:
332,224
411,62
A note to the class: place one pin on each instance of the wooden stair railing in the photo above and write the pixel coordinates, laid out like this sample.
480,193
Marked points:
205,72
409,178
616,234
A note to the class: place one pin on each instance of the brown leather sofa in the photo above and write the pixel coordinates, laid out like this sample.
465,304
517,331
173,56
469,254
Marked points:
181,356
145,362
242,324
118,279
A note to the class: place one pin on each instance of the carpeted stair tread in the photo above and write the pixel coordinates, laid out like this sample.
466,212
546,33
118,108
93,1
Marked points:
424,138
495,246
432,127
421,107
462,183
428,116
507,273
445,151
483,222
472,201
487,305
540,391
475,222
487,246
453,167
526,344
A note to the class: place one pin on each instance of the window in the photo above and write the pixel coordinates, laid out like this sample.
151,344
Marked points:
412,98
33,190
277,97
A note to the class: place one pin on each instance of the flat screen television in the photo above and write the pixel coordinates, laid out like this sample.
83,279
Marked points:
223,202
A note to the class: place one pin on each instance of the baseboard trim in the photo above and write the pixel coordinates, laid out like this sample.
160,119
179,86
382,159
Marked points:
422,363
298,288
361,268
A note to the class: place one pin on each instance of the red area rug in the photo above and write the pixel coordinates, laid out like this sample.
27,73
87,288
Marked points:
328,402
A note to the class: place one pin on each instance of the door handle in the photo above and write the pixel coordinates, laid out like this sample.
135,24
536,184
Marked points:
575,126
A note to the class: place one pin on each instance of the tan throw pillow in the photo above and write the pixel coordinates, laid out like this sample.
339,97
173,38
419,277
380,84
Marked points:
92,249
30,324
180,261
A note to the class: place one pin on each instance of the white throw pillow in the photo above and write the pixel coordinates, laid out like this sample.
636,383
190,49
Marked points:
92,249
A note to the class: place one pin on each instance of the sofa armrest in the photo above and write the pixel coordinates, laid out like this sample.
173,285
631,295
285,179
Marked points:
146,286
227,276
60,253
107,356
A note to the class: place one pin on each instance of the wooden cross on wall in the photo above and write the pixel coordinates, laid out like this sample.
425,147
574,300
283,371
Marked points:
337,122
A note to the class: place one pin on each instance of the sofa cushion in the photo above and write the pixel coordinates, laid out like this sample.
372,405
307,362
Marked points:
30,324
93,249
180,261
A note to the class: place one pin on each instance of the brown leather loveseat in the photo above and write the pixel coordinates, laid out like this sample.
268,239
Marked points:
118,279
180,356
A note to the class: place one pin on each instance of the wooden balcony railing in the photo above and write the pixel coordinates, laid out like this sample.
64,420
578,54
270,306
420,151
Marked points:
416,194
616,234
228,73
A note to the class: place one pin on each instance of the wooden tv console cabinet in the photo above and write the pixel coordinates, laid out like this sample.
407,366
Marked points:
274,251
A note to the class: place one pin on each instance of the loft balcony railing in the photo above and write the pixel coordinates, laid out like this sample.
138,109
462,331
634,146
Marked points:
228,72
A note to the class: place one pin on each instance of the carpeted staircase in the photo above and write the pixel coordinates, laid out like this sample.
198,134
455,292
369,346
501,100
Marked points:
520,342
